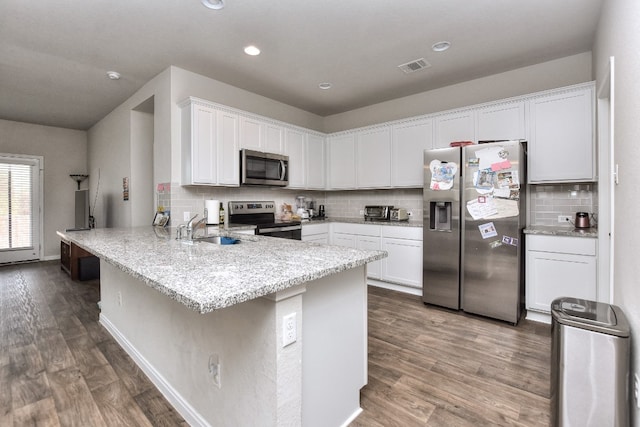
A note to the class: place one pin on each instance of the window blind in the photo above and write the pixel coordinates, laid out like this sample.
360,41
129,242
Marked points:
16,225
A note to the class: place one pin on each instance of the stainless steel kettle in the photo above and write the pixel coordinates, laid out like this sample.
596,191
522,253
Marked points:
582,220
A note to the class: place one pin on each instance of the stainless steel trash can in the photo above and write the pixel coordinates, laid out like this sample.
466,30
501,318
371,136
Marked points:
589,364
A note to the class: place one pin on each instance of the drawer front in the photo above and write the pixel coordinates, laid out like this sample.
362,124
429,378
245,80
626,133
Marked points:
562,244
311,229
359,229
409,233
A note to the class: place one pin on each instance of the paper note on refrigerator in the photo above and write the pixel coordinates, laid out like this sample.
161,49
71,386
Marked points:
493,158
487,230
442,174
509,179
504,208
479,210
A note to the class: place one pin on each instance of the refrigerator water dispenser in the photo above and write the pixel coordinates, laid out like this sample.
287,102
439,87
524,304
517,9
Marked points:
440,216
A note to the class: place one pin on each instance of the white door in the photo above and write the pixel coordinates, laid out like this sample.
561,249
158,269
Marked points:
19,208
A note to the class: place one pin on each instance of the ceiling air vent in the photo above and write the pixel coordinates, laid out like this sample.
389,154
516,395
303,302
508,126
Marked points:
415,65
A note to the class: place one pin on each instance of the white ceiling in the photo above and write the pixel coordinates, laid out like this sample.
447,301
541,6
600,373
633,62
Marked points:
54,54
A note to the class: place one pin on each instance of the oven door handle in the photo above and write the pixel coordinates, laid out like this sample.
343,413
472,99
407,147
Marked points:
283,169
271,230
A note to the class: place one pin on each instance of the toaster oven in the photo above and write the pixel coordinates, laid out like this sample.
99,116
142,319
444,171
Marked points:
377,213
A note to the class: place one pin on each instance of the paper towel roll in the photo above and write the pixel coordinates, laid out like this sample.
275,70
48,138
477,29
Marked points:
213,211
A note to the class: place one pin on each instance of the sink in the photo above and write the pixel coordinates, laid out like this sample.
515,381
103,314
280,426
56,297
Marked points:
217,240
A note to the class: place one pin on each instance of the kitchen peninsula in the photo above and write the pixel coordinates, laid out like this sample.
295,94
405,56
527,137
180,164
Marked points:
264,332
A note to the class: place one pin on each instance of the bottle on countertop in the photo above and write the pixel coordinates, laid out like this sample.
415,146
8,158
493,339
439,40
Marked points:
221,213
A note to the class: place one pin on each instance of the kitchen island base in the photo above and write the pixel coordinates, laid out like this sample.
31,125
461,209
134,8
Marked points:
229,367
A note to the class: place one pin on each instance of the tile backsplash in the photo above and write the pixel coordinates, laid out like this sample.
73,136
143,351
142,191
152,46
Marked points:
549,201
191,198
348,204
345,204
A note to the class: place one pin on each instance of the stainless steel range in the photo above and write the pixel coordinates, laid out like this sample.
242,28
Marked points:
263,216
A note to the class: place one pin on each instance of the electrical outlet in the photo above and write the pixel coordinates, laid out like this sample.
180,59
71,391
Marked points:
119,299
186,216
564,218
289,329
636,390
361,211
214,369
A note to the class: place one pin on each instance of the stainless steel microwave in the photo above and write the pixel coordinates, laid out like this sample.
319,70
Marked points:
258,168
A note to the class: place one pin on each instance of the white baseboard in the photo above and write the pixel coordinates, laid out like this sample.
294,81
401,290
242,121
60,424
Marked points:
394,287
191,416
352,417
50,258
538,317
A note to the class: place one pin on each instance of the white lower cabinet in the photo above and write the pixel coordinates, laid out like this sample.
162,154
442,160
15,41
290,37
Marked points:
370,243
402,267
316,233
559,266
404,263
359,236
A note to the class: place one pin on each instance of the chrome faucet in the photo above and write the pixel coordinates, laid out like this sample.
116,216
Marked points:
188,228
194,228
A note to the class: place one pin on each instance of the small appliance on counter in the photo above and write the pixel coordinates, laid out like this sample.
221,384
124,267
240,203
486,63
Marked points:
377,213
399,214
582,220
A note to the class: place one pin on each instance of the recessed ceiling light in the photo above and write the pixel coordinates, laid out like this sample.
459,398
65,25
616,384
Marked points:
252,50
440,46
213,4
324,86
113,75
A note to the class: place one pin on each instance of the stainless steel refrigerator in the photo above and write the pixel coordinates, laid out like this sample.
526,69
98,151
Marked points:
474,214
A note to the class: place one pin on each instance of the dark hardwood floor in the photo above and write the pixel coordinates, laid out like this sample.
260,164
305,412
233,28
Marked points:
58,365
434,367
427,366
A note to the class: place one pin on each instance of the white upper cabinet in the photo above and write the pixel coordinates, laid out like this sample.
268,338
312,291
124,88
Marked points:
373,164
209,145
408,142
251,133
315,162
228,148
273,138
306,159
501,121
260,135
561,146
452,127
294,143
341,161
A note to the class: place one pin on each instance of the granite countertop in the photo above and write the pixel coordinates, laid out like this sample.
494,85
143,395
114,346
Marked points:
548,230
410,223
206,276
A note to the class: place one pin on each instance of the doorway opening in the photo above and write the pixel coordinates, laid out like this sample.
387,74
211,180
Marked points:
20,213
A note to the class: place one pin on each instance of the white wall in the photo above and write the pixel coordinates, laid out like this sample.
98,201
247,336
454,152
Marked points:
547,75
141,192
65,153
618,36
110,153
